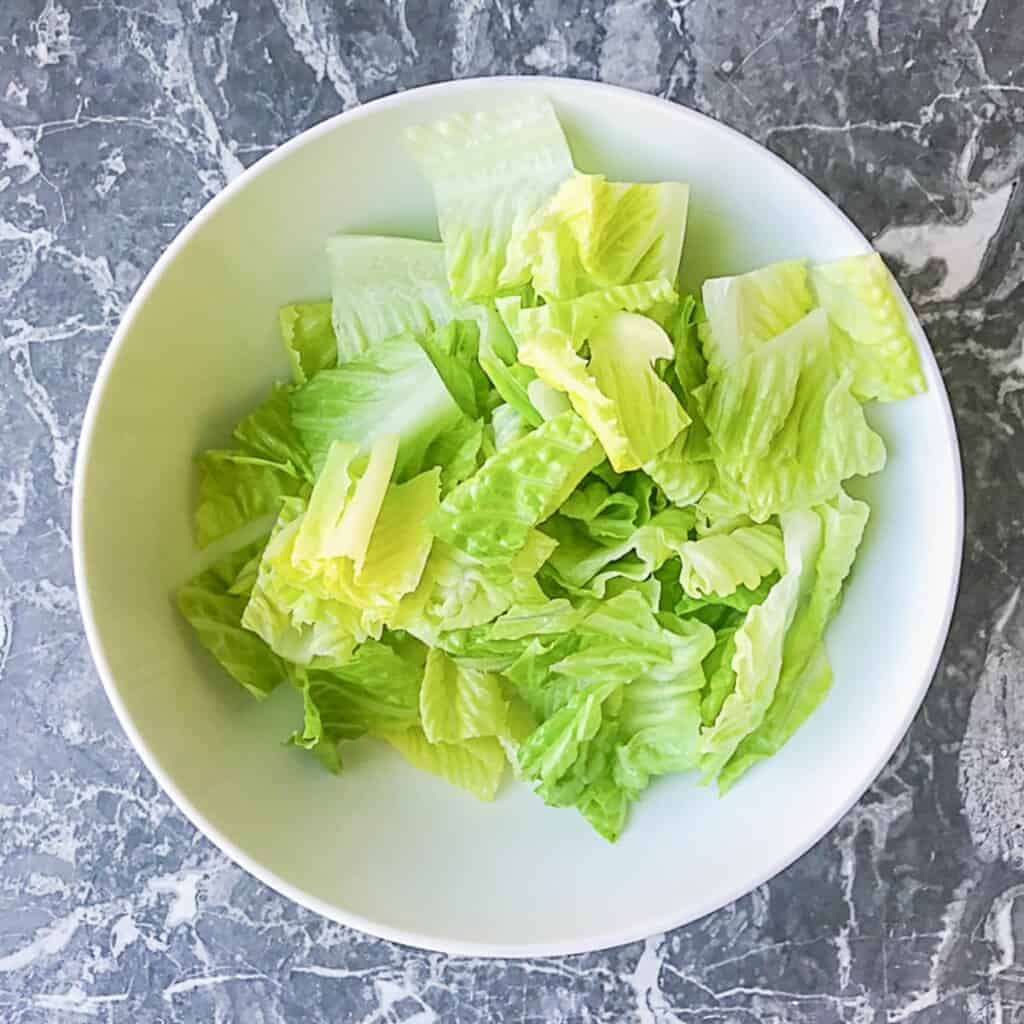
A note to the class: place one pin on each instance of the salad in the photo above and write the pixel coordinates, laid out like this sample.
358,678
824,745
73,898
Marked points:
524,508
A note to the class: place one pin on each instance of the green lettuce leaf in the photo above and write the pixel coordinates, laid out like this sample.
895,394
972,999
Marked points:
618,393
375,691
453,351
215,613
623,639
720,678
458,452
382,287
459,703
236,489
594,234
805,675
456,591
760,643
476,765
308,336
269,433
751,308
722,562
492,514
393,389
491,170
581,563
870,326
785,428
301,625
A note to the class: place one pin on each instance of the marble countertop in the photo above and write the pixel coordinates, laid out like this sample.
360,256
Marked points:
118,120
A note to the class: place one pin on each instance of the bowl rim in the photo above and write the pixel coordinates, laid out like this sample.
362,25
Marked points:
642,929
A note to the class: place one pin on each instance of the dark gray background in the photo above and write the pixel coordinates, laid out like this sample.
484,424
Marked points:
119,120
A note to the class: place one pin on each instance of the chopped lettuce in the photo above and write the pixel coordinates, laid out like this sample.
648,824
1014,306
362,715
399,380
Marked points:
308,336
491,515
785,428
392,389
617,392
594,234
492,171
236,489
870,327
382,287
523,503
215,613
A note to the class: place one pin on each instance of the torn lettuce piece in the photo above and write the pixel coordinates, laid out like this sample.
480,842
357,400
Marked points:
303,627
683,479
719,675
594,234
215,613
760,643
453,351
269,433
236,489
458,703
492,171
720,563
382,287
308,336
392,389
785,428
579,561
375,691
750,308
659,729
569,751
623,351
458,452
476,765
623,638
805,676
869,326
492,514
618,393
456,591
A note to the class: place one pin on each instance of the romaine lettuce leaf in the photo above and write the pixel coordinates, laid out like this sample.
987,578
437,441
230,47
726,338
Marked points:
579,561
751,308
308,337
491,170
269,433
760,643
236,489
476,765
594,234
805,675
456,591
492,514
785,428
382,287
459,703
869,325
618,393
374,691
453,351
392,389
216,615
299,624
721,562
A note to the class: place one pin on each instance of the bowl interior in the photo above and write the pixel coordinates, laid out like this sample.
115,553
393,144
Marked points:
384,847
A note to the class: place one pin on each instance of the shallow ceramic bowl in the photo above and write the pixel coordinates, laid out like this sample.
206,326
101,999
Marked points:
385,848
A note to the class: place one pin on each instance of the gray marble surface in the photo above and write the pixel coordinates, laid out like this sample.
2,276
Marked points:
119,120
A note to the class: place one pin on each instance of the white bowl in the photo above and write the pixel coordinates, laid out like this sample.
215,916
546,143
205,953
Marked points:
385,848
